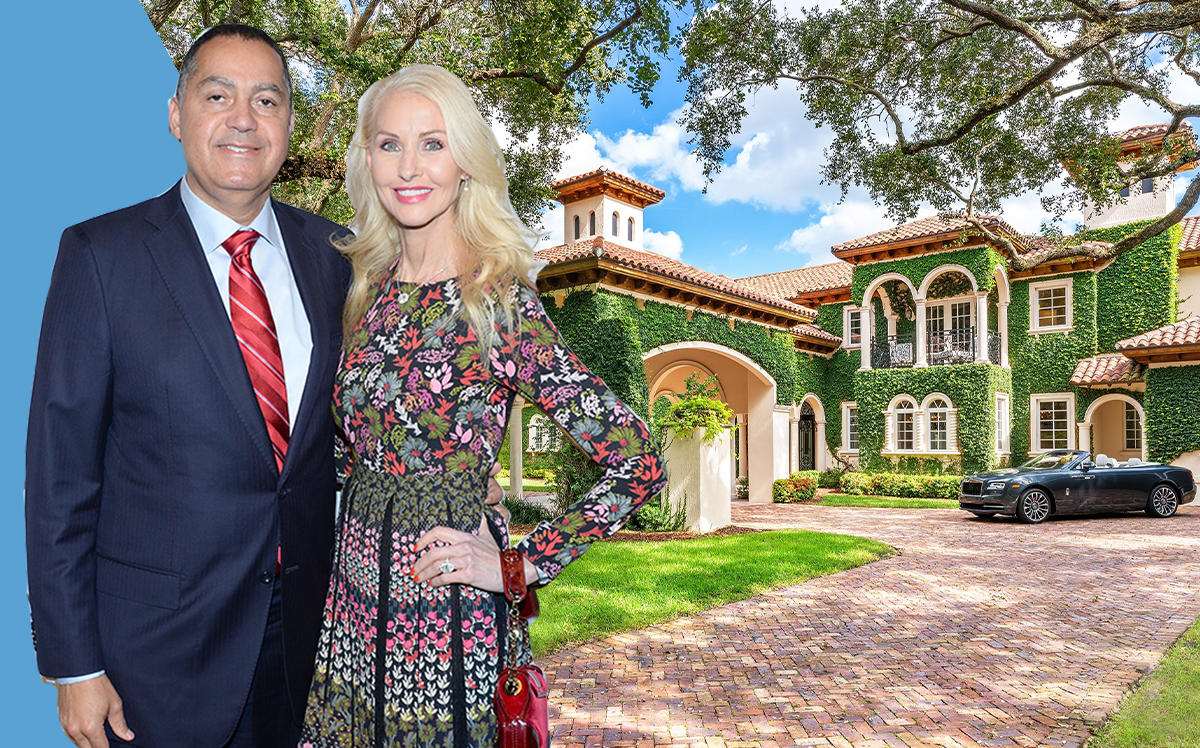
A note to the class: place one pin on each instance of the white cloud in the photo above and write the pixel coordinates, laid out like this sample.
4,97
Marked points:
740,250
668,243
838,223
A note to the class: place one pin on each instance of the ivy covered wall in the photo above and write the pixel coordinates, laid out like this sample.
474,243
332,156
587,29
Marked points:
610,334
982,262
1138,291
1045,362
971,388
1172,403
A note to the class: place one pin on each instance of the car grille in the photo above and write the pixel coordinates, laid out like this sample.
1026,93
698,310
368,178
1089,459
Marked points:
972,488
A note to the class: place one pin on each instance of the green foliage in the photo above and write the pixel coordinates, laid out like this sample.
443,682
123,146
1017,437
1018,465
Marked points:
945,107
830,478
798,488
659,514
887,502
982,262
742,489
524,512
535,69
1045,362
1138,291
574,476
971,389
905,486
698,408
1172,408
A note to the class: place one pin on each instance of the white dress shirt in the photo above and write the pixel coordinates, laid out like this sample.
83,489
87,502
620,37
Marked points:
269,258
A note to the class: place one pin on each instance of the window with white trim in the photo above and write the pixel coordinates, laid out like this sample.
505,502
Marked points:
1050,306
938,413
1133,428
1052,420
851,326
630,226
544,435
905,418
1147,185
615,223
849,427
1002,423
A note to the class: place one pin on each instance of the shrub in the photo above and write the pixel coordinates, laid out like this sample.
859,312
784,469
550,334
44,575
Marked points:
743,488
830,478
534,473
526,512
901,485
657,515
798,488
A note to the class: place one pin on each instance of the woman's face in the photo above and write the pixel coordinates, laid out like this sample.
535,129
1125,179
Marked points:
415,176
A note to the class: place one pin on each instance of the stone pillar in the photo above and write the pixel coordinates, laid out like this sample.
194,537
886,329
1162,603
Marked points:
1002,323
920,338
516,449
1084,432
699,478
821,450
981,328
868,332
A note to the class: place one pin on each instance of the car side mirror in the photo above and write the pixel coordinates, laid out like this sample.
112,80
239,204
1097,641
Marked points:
1086,465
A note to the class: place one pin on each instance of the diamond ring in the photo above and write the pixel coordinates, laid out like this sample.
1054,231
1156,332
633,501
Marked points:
446,567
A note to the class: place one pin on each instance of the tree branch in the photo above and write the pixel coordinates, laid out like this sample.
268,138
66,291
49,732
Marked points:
160,11
540,78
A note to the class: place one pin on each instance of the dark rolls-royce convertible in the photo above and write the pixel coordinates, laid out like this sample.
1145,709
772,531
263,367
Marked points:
1068,481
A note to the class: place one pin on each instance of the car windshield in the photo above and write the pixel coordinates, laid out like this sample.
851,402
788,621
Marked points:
1048,461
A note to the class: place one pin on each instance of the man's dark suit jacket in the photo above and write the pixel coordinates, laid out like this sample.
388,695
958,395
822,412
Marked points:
153,504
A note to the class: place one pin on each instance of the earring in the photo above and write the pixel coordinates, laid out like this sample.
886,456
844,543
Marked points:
465,184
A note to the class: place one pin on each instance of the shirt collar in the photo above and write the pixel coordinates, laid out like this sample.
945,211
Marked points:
213,227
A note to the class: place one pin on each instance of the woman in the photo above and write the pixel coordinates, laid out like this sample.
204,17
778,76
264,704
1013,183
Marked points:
443,330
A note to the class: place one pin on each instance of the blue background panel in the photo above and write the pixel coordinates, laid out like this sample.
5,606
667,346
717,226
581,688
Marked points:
84,132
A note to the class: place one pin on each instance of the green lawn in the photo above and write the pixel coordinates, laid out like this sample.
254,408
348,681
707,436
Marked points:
1164,711
841,499
620,586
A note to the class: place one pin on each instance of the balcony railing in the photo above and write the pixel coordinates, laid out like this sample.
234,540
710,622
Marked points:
942,348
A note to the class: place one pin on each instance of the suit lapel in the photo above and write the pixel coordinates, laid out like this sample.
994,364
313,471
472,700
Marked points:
303,253
180,262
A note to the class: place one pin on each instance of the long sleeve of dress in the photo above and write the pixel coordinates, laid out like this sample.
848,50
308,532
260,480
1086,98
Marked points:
533,361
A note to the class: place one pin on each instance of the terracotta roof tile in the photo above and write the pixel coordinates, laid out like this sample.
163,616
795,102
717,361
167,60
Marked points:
1186,332
1191,234
922,228
668,267
816,332
616,176
1107,368
1149,131
788,284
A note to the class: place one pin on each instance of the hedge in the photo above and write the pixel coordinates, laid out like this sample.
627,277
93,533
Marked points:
901,485
1172,408
798,488
982,262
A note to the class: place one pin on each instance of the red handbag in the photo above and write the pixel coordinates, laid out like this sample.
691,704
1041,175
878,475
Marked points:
522,699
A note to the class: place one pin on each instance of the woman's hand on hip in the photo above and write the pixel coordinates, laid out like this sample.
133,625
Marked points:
475,559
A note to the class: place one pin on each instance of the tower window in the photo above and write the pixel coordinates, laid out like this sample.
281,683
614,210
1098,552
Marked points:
576,227
614,223
1147,185
630,229
592,223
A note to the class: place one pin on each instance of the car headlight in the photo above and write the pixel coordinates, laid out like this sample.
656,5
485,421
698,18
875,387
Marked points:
995,485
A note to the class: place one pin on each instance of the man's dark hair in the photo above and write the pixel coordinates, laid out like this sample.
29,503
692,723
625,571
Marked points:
236,30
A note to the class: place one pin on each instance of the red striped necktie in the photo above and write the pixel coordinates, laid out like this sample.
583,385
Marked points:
255,330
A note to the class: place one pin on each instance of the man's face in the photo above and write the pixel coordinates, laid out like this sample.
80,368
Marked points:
234,119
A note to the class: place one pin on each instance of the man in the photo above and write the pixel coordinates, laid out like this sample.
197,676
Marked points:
179,470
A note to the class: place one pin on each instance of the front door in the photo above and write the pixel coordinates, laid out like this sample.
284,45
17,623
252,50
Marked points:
807,443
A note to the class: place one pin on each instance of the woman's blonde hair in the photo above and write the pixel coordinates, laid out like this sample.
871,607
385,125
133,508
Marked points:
497,246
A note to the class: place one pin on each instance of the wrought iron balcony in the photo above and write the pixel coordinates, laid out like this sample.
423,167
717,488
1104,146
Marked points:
942,348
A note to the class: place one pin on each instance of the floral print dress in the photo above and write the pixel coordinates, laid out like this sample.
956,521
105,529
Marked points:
402,663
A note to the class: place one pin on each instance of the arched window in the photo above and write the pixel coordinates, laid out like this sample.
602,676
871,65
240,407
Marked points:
614,222
576,227
938,413
592,223
543,434
905,425
630,229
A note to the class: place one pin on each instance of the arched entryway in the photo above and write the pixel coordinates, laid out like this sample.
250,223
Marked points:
806,438
750,392
1116,427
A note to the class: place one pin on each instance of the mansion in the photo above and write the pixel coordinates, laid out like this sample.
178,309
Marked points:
918,350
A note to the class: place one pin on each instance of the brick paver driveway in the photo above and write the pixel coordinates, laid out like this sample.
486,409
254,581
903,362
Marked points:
980,632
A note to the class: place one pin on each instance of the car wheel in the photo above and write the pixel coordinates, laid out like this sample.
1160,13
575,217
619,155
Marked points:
1033,506
984,515
1163,502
